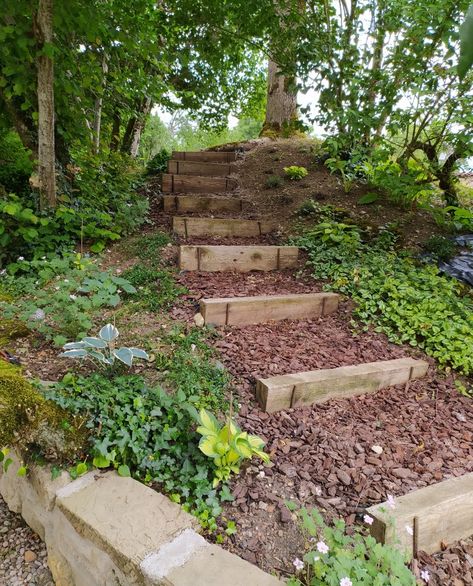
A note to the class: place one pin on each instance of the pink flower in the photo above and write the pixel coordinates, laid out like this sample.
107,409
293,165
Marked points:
298,564
368,520
322,547
346,582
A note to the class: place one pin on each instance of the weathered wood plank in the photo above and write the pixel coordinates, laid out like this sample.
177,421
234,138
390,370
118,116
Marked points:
201,203
199,168
317,386
225,227
205,156
196,184
441,513
254,310
237,258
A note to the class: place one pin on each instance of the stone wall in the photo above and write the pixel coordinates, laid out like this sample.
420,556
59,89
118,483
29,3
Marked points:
104,530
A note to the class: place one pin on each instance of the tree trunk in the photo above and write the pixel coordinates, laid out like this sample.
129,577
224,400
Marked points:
98,108
281,107
134,128
115,138
45,66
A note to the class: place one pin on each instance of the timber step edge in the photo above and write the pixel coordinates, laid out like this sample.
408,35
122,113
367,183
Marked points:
317,386
196,184
438,514
205,156
192,203
176,167
225,227
259,309
237,258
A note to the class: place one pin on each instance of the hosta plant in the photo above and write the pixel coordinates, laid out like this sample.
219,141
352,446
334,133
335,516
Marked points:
295,173
227,445
102,349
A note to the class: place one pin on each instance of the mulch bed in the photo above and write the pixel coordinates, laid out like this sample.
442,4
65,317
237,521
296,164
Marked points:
322,455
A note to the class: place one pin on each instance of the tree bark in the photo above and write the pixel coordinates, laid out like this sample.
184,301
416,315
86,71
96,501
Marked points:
134,128
115,138
45,66
98,108
281,107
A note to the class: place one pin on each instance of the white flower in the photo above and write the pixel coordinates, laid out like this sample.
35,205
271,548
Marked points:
119,291
66,280
346,582
193,347
38,315
368,520
3,272
43,258
425,575
409,529
21,258
57,288
298,564
73,297
391,502
322,547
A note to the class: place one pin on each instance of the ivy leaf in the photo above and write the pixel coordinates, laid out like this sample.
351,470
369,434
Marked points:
123,470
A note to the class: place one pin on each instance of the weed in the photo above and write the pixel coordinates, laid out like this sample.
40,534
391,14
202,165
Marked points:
274,181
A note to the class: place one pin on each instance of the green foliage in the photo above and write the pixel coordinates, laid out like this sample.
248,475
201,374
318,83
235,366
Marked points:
227,445
188,363
345,169
59,299
410,302
274,181
368,198
157,287
440,247
295,173
158,164
16,165
454,219
102,351
147,430
466,44
351,558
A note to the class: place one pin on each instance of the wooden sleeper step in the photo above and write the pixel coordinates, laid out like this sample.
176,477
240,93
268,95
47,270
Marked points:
237,258
201,203
199,168
196,184
225,227
436,515
205,156
318,386
253,310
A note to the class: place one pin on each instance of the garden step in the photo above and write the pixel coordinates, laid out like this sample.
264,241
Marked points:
438,514
254,310
177,167
226,227
196,184
204,156
237,258
317,386
192,203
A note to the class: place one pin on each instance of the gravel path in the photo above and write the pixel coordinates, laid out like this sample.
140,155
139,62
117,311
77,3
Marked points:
22,553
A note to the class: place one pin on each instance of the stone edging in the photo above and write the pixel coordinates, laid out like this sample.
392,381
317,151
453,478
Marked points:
104,530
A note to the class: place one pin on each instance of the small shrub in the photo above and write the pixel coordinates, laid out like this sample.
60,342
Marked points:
442,248
344,559
274,181
158,164
295,173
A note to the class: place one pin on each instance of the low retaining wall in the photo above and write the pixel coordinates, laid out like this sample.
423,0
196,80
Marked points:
104,530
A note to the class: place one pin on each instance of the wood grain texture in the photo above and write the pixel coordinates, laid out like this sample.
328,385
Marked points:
237,258
444,513
264,308
225,227
318,386
199,168
196,184
204,156
201,203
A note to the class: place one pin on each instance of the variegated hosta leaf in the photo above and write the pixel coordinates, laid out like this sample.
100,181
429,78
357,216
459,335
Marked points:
79,353
108,333
94,342
138,353
207,446
125,355
209,423
74,345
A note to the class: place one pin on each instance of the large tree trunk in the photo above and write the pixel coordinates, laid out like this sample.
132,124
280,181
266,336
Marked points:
134,128
281,107
46,153
98,108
